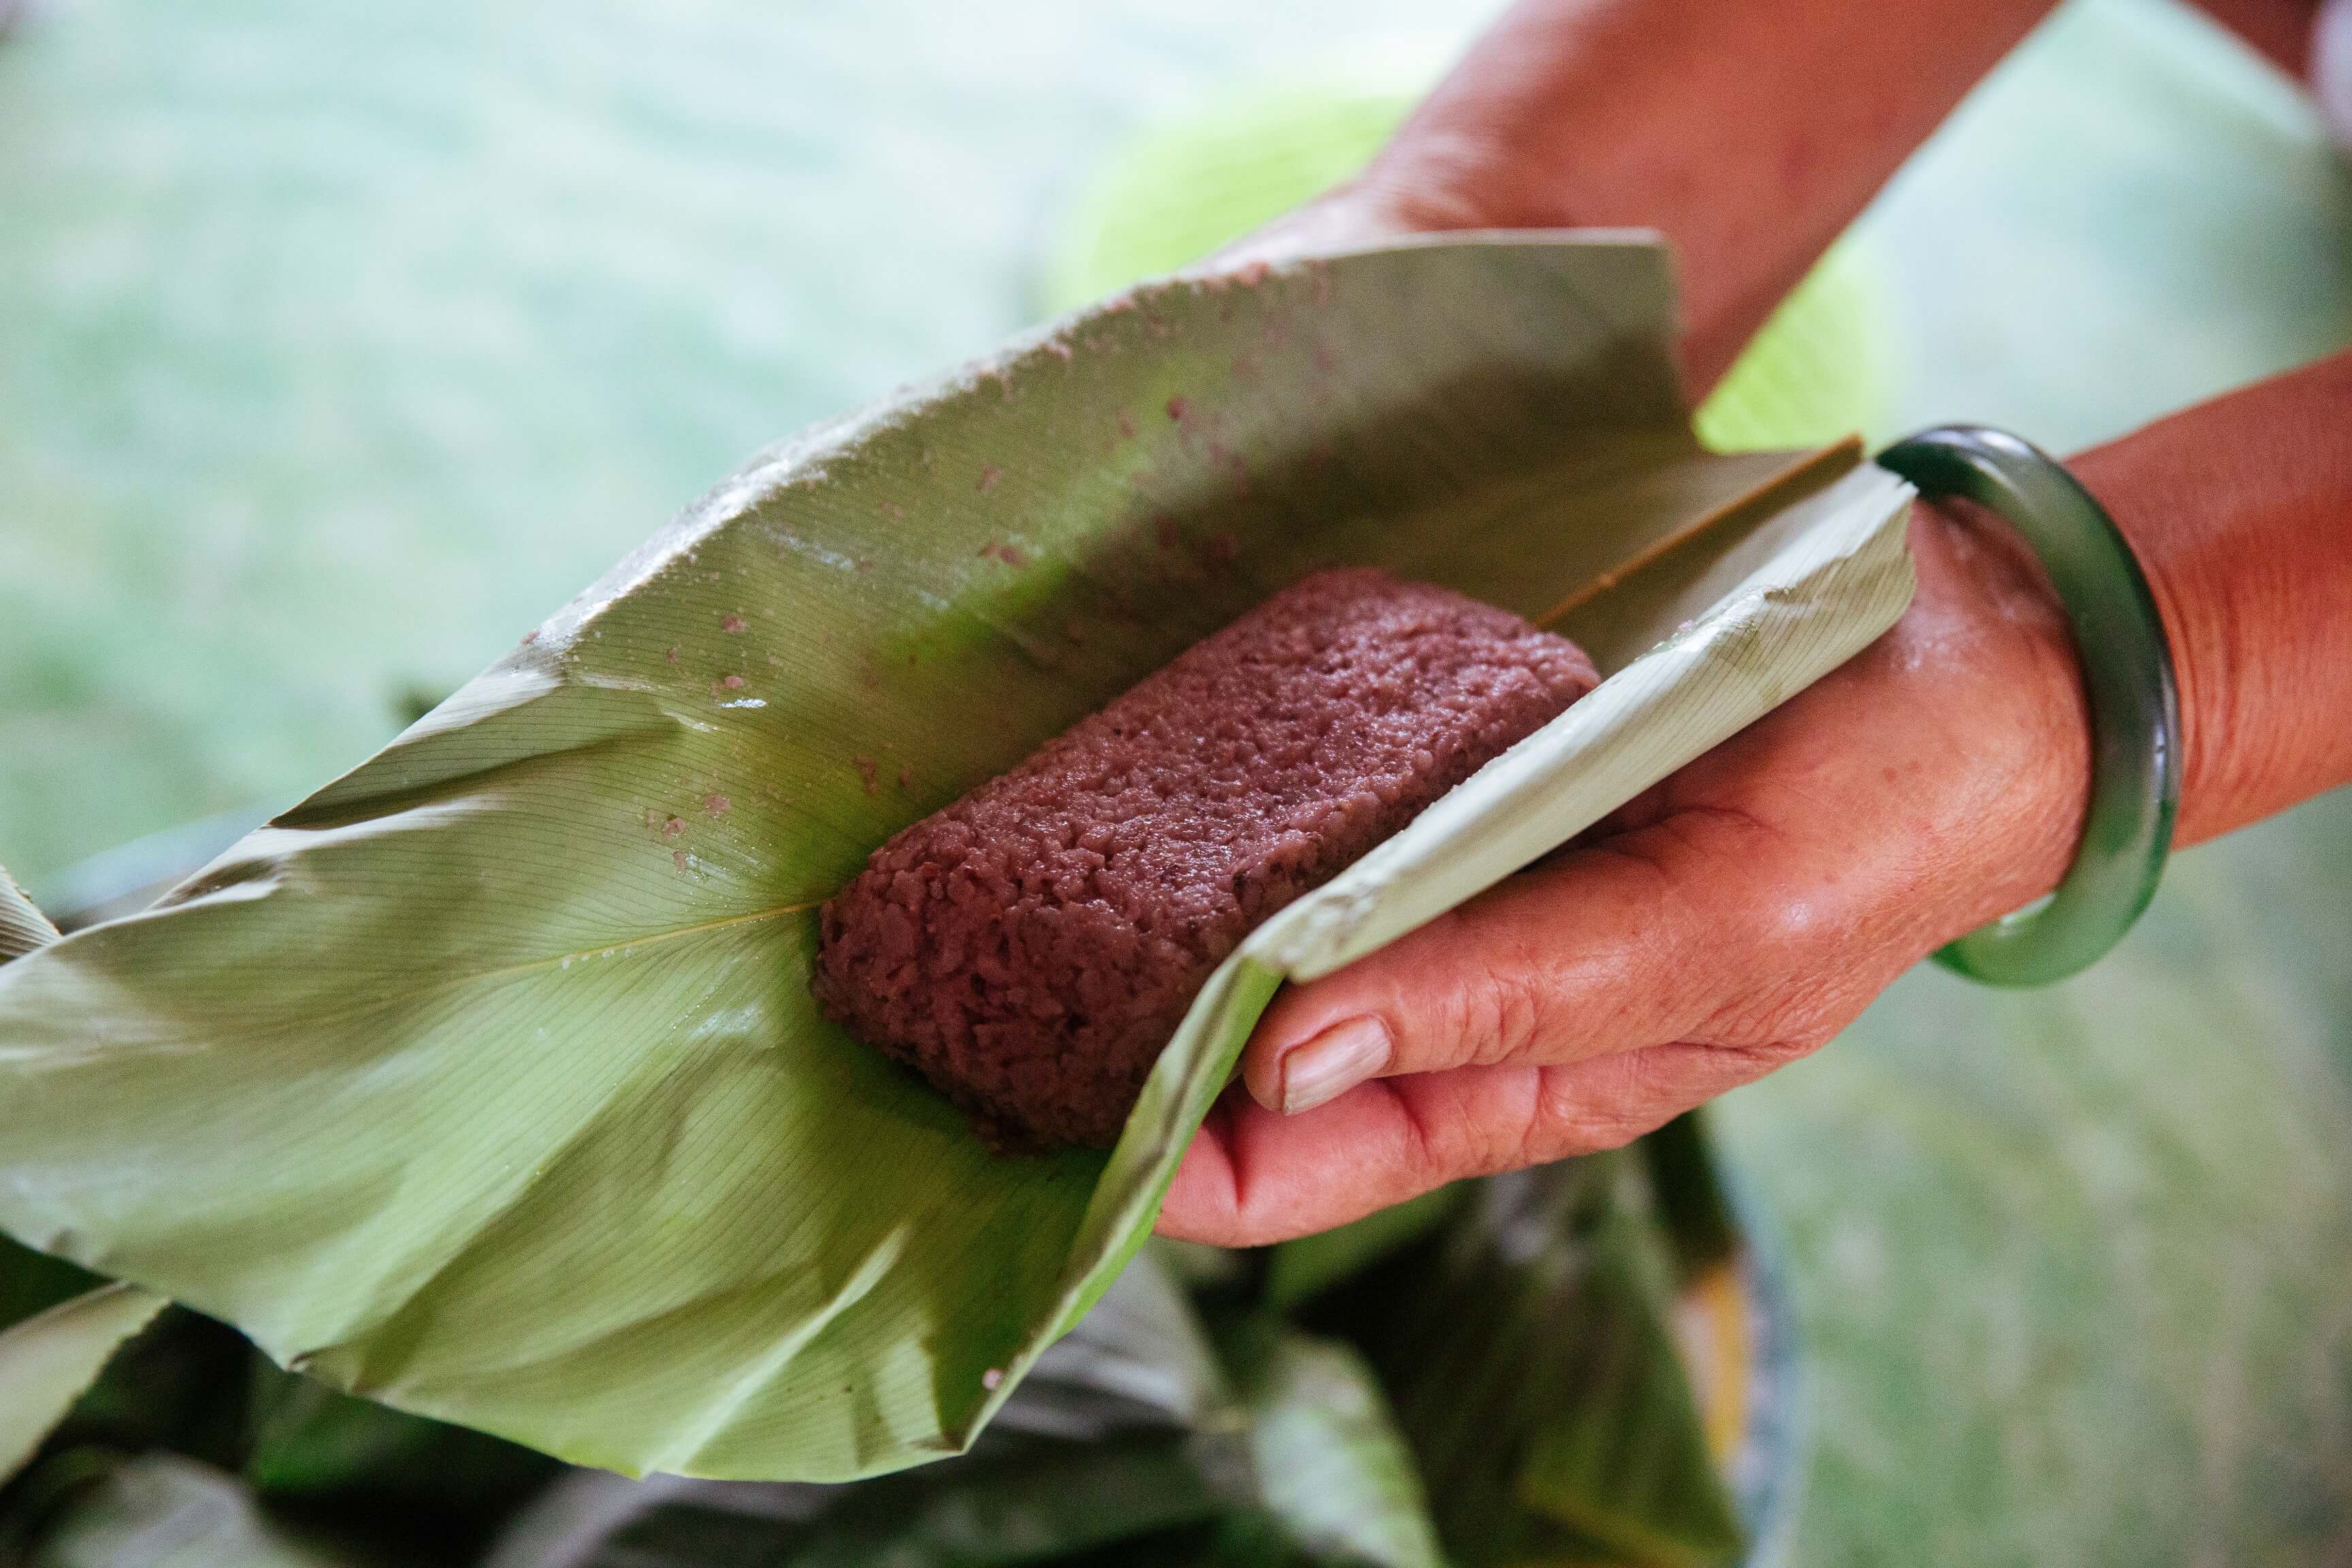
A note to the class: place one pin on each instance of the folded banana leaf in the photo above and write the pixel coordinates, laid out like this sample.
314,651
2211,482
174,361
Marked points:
486,1082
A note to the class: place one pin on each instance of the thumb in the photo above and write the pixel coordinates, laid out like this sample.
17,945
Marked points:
1607,949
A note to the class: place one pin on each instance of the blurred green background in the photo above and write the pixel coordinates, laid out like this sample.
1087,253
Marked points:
340,343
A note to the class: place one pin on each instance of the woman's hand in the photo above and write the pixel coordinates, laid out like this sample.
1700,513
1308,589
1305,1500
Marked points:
1745,910
1734,918
1750,907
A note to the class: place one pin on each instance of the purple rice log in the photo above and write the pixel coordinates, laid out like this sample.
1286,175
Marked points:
1031,948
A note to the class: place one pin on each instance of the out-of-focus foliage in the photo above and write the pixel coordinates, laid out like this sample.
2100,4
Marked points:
1211,1430
1297,1271
1525,1347
164,1510
1336,1481
1181,1422
49,1359
318,1449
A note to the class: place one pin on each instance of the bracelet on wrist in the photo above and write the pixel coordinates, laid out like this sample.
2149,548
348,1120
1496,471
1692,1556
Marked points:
2128,679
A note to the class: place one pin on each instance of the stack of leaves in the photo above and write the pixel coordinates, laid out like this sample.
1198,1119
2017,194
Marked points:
1483,1377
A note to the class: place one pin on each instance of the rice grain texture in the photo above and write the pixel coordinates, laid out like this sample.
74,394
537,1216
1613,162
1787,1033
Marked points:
1031,948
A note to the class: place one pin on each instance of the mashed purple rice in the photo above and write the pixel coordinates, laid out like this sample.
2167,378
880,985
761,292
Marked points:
1031,948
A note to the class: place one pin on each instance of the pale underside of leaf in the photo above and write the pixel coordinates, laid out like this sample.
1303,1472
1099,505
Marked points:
163,1510
23,927
1331,1466
487,1082
48,1360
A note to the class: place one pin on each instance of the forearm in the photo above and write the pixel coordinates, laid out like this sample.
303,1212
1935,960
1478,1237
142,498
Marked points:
2279,30
1749,135
2239,511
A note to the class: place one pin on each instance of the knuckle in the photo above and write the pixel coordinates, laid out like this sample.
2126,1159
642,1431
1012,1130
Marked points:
1793,1015
1752,1021
1460,1127
1509,1014
1776,1053
1574,1120
1436,1130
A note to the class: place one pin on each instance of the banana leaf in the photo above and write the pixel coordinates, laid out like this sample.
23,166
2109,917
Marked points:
1336,1481
1128,1427
163,1510
486,1082
1299,1270
314,1447
1134,1433
23,928
30,1282
46,1363
1526,1351
58,1327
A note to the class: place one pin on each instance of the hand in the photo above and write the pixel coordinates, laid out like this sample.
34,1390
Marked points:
1731,920
1751,906
1749,136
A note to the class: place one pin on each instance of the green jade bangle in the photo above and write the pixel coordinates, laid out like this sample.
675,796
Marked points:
2126,676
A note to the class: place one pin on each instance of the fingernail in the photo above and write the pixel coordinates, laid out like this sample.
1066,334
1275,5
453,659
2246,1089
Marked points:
1332,1063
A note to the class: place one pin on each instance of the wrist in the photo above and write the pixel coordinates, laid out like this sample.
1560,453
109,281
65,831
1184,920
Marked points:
1996,626
2236,511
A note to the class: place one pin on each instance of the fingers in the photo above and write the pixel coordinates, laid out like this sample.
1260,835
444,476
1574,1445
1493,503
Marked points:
1609,948
1254,1177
